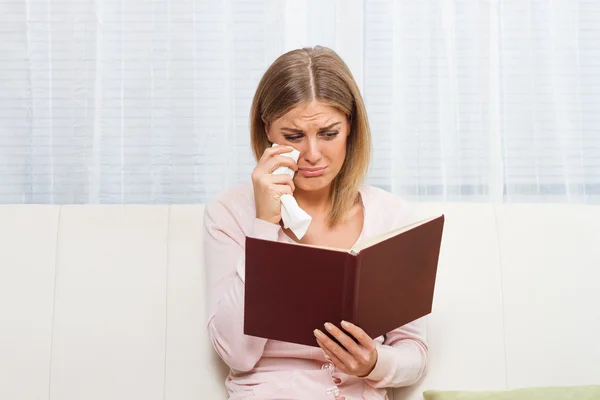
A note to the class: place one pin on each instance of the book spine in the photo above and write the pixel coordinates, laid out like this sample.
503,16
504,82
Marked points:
351,285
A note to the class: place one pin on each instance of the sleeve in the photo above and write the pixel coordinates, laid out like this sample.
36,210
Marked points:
402,359
224,241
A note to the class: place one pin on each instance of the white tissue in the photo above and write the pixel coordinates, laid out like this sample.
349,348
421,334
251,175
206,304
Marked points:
294,218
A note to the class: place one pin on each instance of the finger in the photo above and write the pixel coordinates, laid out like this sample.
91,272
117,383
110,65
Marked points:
283,189
336,361
365,340
275,162
269,166
285,180
276,190
351,346
272,151
335,348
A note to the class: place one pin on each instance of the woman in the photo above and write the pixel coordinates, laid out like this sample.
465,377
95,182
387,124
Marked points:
309,101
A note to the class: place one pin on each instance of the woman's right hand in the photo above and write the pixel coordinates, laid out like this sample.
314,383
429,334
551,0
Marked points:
269,188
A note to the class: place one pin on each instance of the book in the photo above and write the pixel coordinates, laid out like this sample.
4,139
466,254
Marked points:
381,284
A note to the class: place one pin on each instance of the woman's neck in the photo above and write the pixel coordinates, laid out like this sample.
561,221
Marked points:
314,202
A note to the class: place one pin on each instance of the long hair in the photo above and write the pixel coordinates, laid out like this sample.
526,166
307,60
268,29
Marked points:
318,73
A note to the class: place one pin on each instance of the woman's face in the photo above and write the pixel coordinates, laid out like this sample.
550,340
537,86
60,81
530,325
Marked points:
319,132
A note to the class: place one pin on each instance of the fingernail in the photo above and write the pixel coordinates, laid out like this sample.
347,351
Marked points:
345,324
328,326
317,333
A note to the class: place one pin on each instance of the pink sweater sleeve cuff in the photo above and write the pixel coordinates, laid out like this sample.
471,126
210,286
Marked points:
265,230
260,230
385,361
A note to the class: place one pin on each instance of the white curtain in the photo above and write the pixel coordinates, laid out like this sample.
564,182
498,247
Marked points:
147,101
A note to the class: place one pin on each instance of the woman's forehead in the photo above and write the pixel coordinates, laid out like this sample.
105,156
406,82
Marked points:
312,113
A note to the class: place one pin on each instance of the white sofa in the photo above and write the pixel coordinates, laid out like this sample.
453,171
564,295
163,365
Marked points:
107,302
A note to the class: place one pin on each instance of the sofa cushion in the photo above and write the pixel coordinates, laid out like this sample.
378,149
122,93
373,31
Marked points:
533,393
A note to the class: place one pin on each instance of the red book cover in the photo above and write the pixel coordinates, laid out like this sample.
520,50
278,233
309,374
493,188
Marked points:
381,284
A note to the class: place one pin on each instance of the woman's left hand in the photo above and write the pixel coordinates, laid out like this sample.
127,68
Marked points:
354,358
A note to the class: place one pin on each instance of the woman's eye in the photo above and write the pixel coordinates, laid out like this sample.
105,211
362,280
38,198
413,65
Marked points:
330,135
293,138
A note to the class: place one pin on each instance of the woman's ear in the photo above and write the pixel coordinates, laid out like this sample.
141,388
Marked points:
267,128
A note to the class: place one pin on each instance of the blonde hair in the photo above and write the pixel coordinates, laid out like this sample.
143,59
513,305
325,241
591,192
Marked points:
318,73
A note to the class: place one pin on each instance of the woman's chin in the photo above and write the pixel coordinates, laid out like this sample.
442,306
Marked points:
312,184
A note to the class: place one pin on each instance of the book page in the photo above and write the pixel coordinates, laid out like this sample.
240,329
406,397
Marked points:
363,244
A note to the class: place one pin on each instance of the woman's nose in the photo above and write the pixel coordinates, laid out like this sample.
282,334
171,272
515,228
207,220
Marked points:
312,152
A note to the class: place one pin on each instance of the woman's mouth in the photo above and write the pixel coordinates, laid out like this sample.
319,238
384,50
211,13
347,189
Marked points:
312,172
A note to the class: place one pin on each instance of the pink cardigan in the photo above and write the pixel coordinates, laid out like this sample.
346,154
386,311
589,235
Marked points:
270,369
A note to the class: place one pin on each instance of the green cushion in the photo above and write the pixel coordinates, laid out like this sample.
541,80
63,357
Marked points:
533,393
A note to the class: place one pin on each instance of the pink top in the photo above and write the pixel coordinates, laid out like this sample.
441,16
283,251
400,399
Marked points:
270,369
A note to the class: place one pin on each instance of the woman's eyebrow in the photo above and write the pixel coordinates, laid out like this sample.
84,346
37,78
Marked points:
326,128
292,130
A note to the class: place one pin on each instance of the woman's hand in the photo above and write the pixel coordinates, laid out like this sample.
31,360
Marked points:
268,188
354,358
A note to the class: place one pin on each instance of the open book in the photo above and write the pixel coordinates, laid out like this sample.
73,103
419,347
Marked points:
381,284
